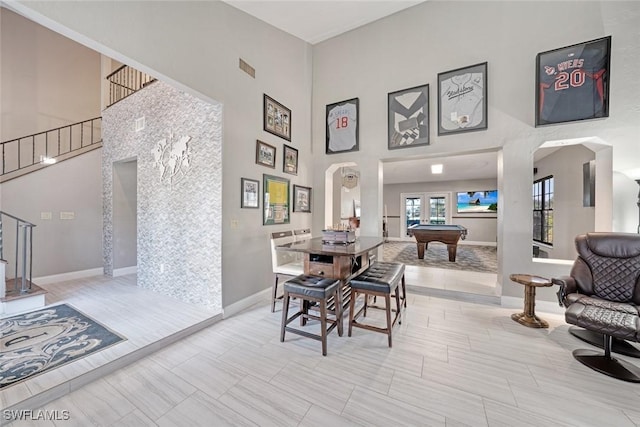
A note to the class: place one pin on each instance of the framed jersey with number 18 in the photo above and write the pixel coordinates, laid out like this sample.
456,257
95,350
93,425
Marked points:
572,83
342,126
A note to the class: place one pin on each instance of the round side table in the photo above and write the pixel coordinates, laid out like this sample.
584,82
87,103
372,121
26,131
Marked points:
530,282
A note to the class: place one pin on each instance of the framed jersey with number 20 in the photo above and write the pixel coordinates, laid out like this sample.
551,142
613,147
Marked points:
572,83
342,126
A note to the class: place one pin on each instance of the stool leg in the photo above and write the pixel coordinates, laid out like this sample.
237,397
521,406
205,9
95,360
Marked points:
339,319
274,295
404,292
338,308
285,311
323,325
399,305
352,307
387,300
366,300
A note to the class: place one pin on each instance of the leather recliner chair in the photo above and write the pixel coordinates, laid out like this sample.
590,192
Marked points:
602,295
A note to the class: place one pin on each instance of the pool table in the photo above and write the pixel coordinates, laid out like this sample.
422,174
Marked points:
447,234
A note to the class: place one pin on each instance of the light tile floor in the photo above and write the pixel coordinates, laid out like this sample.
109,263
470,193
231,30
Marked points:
453,363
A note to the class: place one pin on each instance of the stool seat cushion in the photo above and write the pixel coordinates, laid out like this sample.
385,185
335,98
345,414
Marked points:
311,286
381,277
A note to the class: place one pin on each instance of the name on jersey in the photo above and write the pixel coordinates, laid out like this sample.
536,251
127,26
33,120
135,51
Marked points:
564,66
338,112
458,92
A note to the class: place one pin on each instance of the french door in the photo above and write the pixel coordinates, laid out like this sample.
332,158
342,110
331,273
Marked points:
423,208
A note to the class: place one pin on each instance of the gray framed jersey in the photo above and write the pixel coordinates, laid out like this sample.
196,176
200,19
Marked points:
342,126
408,117
462,99
572,83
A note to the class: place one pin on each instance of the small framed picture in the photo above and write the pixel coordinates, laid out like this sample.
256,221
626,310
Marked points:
572,83
277,118
408,117
342,126
290,160
462,100
301,199
276,200
265,154
250,197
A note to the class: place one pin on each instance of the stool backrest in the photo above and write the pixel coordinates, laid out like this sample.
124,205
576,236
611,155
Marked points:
302,234
279,258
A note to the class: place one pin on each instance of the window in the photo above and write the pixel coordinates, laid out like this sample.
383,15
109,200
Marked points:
437,210
543,210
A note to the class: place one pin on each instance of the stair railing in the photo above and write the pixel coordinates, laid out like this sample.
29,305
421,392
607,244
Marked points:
126,81
23,255
41,147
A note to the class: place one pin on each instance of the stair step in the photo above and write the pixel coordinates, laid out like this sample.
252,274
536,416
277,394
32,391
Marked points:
13,294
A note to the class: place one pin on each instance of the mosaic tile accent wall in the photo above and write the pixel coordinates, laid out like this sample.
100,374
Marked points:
179,162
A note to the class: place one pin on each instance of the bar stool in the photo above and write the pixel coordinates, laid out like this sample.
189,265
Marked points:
312,289
380,279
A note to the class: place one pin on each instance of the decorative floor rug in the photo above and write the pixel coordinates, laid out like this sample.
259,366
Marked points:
36,342
468,258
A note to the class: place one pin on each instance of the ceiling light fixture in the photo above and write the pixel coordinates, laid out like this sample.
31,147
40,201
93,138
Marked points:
436,169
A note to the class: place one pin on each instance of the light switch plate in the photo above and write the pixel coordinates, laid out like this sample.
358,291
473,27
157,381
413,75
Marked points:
67,215
45,215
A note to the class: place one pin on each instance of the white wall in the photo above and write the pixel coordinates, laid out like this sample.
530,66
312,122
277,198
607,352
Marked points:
570,217
368,63
125,199
411,47
59,246
196,46
47,81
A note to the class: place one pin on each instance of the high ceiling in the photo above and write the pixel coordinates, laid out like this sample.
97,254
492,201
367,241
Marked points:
316,20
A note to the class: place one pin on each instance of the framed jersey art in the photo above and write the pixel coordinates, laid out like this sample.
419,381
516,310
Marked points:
572,83
342,126
408,117
462,99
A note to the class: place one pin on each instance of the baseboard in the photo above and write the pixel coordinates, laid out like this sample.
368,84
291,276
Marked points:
546,306
45,280
125,270
245,303
454,295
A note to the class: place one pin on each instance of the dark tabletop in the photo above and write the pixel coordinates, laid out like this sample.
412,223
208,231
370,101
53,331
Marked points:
315,246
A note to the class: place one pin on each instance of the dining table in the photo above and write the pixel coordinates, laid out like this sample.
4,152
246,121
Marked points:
341,261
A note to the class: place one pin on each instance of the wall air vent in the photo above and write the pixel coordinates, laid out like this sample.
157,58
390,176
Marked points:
247,68
140,124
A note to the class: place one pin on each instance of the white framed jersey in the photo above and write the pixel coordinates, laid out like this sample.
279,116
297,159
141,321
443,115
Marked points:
572,83
462,99
342,126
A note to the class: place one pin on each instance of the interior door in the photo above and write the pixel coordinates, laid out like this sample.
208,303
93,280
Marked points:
414,211
424,208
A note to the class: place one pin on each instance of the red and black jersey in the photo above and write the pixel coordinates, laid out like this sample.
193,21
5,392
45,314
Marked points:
572,82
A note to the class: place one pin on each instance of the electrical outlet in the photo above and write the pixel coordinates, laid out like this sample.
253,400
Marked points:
45,215
67,215
235,224
161,268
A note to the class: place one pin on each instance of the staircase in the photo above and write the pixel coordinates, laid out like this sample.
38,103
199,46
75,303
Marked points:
33,152
18,293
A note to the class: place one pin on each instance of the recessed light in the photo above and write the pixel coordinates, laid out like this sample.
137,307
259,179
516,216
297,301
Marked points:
436,169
